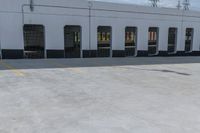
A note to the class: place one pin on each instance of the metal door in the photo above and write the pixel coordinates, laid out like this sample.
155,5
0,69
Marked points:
72,41
34,41
188,39
153,41
172,40
130,41
104,41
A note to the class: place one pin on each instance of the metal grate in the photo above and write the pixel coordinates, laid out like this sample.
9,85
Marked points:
153,40
130,41
72,41
172,40
104,41
189,39
34,41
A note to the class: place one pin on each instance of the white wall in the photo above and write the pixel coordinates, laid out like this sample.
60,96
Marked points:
143,18
11,31
58,14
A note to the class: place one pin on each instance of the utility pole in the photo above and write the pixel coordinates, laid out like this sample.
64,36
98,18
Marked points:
179,5
186,4
154,3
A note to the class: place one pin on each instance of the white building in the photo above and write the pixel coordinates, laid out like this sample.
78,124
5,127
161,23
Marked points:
78,28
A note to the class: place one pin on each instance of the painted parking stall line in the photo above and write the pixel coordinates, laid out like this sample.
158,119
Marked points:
13,69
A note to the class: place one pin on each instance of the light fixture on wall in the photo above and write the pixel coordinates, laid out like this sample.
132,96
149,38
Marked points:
31,5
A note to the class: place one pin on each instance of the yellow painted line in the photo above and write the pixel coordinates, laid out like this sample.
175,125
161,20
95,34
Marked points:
13,69
76,70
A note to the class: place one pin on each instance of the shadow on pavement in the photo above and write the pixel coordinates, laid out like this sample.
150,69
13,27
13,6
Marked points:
93,62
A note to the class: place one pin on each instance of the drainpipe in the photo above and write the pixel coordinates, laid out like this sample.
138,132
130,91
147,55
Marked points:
90,7
182,29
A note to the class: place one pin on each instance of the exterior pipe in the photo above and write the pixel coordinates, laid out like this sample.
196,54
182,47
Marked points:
90,7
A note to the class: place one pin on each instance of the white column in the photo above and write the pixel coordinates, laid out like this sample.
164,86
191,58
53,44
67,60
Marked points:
118,37
54,37
196,39
142,38
93,37
85,36
163,39
181,39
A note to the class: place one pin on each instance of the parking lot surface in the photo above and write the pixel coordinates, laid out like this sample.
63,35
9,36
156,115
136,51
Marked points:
101,95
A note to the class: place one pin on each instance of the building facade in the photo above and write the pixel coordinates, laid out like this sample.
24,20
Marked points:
83,29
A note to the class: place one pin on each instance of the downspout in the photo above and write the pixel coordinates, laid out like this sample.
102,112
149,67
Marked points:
32,9
31,5
182,21
90,8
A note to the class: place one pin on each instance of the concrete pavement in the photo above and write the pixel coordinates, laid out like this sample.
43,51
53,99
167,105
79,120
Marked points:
111,95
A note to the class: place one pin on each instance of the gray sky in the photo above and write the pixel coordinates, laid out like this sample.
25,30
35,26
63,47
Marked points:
195,4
